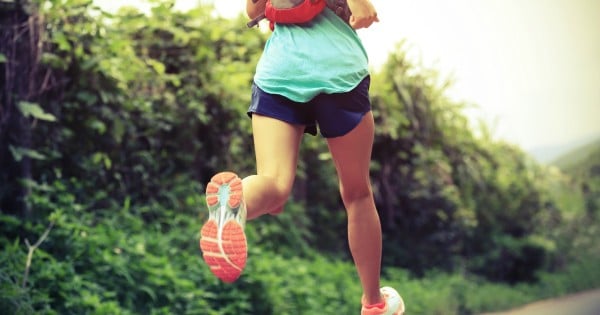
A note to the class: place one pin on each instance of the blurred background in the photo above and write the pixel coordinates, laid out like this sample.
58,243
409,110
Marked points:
113,116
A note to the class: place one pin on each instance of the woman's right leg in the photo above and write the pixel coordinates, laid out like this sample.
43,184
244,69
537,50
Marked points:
276,145
223,241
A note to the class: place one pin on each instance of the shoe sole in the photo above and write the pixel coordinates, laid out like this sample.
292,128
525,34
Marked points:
223,242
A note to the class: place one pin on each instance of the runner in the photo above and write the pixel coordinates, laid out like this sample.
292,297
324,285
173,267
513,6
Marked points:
311,76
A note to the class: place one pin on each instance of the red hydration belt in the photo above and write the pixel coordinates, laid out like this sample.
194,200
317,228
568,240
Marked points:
293,11
299,11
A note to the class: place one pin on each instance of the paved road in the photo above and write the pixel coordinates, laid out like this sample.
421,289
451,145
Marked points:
585,303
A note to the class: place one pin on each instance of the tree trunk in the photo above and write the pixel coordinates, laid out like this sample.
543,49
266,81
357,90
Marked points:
19,38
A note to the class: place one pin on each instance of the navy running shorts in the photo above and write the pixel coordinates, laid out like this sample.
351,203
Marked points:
334,114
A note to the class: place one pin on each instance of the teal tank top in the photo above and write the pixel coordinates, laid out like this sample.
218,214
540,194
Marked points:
322,56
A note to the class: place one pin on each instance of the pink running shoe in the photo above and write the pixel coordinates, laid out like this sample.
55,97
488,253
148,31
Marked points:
394,305
222,241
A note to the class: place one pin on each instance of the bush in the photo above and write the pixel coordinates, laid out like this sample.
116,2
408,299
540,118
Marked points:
111,261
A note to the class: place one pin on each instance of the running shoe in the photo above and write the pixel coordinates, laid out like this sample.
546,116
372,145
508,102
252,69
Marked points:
394,305
222,238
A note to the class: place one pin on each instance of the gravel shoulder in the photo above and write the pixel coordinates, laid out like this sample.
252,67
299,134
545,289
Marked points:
584,303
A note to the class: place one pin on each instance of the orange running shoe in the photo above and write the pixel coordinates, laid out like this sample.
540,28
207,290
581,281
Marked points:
222,238
394,305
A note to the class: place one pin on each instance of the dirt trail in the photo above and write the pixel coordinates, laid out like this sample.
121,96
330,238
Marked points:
585,303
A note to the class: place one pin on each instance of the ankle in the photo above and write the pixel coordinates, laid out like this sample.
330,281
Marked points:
376,300
380,305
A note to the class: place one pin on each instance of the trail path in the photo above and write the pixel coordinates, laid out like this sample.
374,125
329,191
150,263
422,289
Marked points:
584,303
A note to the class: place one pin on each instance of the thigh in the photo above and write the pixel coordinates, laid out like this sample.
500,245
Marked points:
276,145
351,154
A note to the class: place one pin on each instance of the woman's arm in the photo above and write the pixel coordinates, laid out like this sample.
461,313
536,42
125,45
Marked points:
255,7
363,13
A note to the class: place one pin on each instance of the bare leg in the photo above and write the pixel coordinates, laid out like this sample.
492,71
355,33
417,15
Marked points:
276,145
352,156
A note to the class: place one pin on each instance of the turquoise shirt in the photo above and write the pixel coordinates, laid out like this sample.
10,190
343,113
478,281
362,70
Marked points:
322,56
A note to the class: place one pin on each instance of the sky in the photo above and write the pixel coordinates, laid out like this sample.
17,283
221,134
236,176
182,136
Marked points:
530,67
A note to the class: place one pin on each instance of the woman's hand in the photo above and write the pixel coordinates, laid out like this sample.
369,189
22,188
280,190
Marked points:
254,9
363,13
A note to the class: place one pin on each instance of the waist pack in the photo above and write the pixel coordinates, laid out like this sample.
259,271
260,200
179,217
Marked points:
299,11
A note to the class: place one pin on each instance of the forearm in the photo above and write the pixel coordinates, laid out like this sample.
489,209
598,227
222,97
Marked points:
254,9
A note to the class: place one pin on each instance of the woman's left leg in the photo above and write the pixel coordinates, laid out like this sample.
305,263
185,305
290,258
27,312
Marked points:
352,156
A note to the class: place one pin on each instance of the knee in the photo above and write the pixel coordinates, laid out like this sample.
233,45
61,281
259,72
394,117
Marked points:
356,193
282,192
281,189
272,189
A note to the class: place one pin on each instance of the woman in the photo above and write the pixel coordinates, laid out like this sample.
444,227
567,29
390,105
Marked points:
311,75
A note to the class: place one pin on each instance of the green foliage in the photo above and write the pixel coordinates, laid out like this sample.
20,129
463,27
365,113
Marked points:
148,98
110,261
141,109
450,200
583,168
577,160
35,111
